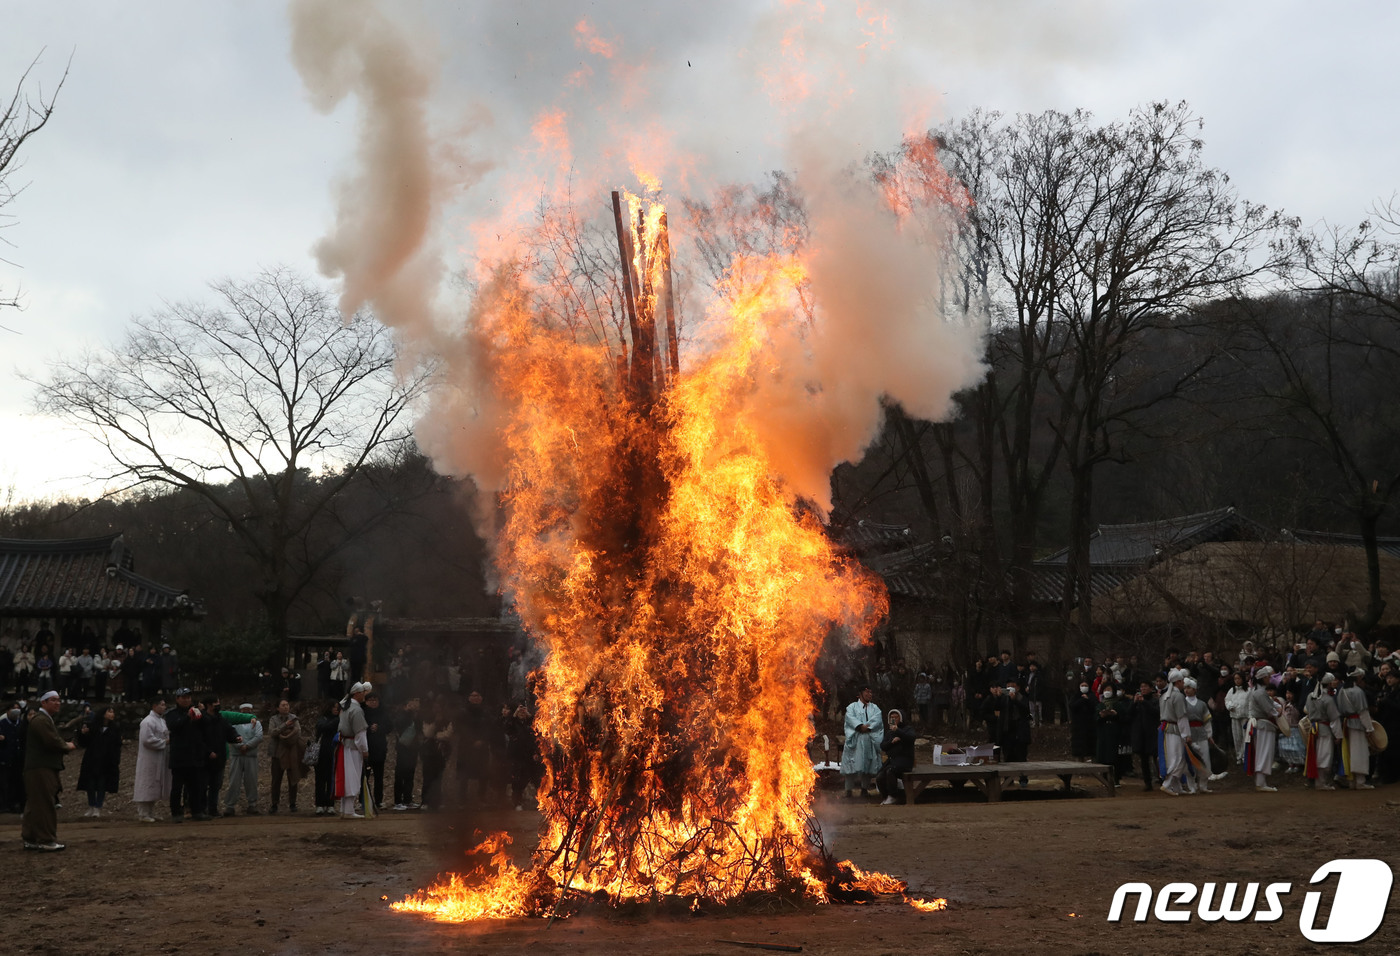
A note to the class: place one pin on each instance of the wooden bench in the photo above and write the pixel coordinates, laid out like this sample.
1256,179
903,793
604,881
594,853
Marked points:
988,777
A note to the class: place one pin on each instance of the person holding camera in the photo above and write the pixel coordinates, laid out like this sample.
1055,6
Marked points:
898,745
1014,726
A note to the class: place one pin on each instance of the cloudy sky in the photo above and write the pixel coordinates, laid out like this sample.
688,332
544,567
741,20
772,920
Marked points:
185,149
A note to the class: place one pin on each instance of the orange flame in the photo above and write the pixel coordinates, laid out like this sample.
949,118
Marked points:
682,596
929,906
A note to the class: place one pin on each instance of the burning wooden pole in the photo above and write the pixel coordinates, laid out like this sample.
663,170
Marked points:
629,301
673,349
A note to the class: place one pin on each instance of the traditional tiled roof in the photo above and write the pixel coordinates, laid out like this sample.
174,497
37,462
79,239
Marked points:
482,625
1048,581
1390,546
1141,543
80,577
864,536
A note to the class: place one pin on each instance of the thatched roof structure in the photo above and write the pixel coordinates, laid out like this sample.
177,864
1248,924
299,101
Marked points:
1266,584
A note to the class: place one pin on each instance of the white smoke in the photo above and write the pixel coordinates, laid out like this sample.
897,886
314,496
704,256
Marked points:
693,95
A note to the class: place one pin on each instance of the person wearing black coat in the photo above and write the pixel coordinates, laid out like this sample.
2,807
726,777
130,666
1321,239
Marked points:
150,674
189,758
522,754
13,731
473,748
327,727
100,771
408,738
1386,712
1144,719
1014,725
377,736
359,654
1083,713
898,743
218,734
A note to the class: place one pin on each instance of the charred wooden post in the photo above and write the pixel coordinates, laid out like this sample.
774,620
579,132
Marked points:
644,346
624,254
672,348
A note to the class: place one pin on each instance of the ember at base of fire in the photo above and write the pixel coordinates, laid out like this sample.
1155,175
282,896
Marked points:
503,891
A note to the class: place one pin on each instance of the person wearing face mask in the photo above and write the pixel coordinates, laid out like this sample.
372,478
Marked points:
1083,712
1176,732
1107,725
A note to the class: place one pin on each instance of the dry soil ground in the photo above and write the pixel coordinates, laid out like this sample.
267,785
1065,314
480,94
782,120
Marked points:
1035,873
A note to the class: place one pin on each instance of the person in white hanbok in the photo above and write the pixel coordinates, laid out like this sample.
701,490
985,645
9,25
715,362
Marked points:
152,763
1263,731
1176,734
865,730
1201,735
1356,724
1324,732
354,745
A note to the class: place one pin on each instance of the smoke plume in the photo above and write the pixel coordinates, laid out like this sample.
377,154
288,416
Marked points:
581,105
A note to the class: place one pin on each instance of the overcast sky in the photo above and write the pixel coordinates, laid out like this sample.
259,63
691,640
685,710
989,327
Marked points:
184,148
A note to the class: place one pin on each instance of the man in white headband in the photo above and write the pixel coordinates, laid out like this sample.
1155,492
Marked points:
1176,732
354,746
43,762
1263,732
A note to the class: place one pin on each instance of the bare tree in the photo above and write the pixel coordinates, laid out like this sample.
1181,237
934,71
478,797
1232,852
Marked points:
1348,339
20,118
1330,361
266,405
1163,234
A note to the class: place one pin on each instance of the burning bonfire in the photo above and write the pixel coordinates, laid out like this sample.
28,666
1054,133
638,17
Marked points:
682,594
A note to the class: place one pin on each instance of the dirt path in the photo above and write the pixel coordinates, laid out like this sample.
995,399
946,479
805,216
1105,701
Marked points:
1036,872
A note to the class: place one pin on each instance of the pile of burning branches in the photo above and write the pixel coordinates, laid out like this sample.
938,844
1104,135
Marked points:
682,598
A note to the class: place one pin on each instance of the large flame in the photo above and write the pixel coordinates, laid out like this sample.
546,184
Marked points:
682,594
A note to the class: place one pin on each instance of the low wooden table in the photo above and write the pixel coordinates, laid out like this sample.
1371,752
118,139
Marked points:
988,776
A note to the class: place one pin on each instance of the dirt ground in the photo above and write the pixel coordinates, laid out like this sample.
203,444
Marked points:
1035,872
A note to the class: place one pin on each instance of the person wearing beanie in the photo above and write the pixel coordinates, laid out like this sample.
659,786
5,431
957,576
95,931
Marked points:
1323,731
1356,724
1263,732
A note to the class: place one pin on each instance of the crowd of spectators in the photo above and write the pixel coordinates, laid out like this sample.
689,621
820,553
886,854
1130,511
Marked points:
1112,706
444,745
80,665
